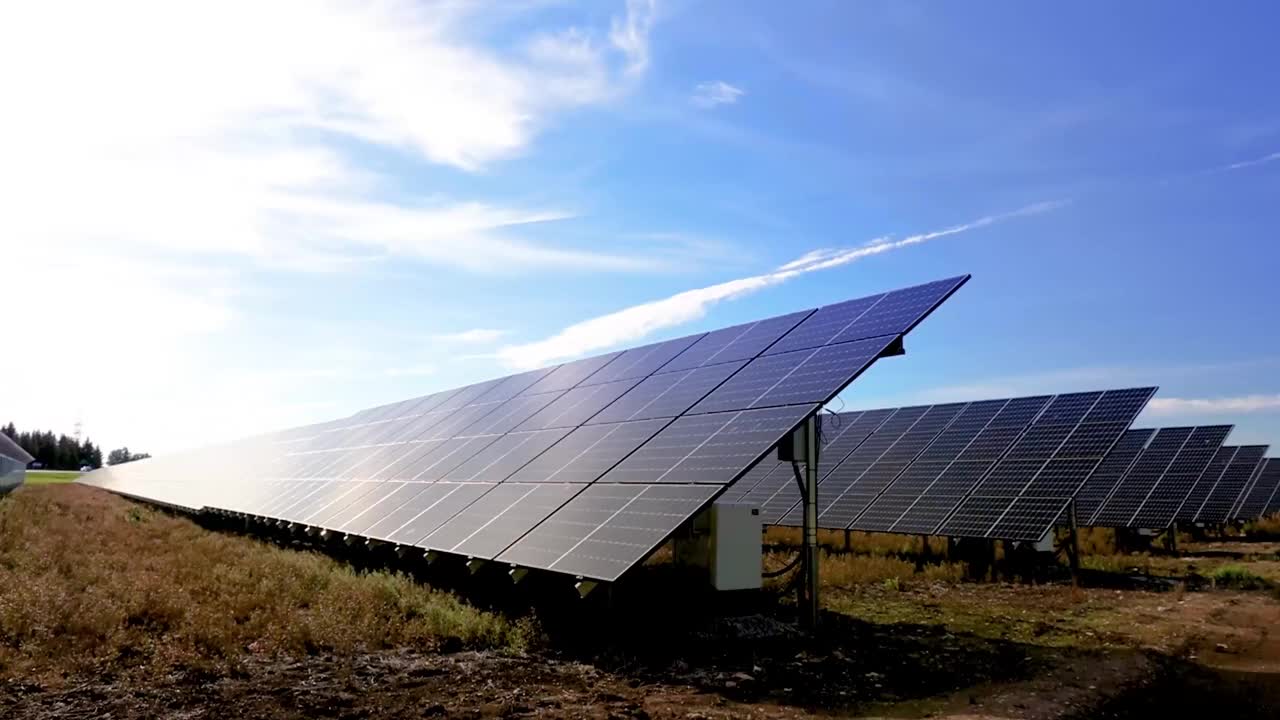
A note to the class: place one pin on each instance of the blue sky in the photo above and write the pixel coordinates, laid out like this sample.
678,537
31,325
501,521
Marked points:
364,203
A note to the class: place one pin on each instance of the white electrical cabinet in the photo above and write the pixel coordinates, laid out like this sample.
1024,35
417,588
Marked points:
725,542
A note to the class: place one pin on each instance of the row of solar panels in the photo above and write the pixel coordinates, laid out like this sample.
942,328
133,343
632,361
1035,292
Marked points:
582,468
1009,468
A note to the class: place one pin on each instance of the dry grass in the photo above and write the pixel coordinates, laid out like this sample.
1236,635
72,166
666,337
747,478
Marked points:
1267,527
93,583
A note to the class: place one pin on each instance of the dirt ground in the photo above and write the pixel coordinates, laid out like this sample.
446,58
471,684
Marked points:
897,640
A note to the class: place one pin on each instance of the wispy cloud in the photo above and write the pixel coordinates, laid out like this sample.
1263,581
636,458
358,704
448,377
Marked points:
1256,161
719,92
1214,405
639,321
630,34
473,336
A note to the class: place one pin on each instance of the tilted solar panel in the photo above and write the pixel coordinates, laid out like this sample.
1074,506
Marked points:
1063,446
1222,498
1107,477
1205,484
1253,501
1161,505
580,468
996,468
1272,469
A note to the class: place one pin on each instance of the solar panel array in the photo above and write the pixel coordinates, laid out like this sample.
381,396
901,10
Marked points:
1272,469
993,469
1220,497
13,463
1105,480
583,468
1158,481
1257,498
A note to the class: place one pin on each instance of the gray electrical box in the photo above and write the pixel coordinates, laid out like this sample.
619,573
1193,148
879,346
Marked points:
725,542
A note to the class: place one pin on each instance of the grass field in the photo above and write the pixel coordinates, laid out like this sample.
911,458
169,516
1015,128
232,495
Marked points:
45,477
112,608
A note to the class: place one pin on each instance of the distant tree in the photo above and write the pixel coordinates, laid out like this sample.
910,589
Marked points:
122,455
56,452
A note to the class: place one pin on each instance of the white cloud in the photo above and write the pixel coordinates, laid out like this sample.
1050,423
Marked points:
474,336
719,92
140,118
637,322
157,156
1215,405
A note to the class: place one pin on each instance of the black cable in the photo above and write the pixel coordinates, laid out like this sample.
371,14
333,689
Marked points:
786,569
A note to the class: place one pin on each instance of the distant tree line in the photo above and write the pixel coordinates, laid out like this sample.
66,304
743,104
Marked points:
122,455
56,452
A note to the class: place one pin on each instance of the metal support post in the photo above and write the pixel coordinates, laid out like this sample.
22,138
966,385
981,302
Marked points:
1173,537
848,541
1073,552
810,611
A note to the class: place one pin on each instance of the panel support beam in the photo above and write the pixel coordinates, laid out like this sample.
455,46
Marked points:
1073,550
809,611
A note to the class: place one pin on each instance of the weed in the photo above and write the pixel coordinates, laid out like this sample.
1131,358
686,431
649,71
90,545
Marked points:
94,583
1238,578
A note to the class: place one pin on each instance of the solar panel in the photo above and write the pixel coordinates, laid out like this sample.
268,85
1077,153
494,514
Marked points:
1129,494
667,395
799,378
608,528
1222,498
1093,422
1254,503
1205,483
714,448
1171,489
1272,469
947,469
580,468
860,491
778,493
1113,468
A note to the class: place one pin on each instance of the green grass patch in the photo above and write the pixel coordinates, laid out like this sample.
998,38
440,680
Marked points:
1236,577
49,477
